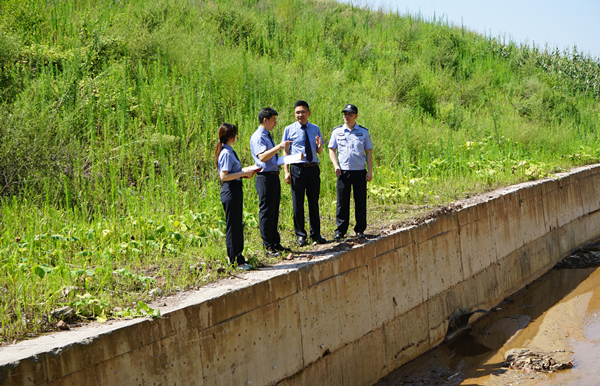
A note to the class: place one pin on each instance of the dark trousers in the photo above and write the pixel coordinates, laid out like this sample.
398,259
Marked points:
355,180
306,180
268,188
232,197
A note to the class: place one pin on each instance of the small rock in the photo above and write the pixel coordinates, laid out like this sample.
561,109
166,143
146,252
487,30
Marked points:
61,325
63,313
155,292
221,270
67,290
290,257
310,257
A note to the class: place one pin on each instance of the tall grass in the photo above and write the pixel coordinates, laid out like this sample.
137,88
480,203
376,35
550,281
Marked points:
109,111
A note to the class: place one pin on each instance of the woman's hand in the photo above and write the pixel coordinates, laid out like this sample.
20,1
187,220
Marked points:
248,172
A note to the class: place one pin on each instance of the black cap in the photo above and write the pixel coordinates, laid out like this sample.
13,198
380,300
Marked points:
350,109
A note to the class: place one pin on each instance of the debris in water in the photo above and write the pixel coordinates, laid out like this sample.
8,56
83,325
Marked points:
452,376
534,362
581,258
460,323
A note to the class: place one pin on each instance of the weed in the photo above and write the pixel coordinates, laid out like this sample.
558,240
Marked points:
108,117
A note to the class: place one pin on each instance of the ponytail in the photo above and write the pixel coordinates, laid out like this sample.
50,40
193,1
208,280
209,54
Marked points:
218,149
226,132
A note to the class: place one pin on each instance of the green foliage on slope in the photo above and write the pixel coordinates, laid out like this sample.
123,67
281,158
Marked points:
109,111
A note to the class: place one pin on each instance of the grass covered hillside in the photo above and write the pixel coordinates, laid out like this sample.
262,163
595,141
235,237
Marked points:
109,111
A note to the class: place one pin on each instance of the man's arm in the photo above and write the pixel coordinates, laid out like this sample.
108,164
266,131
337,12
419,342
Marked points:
286,169
334,161
319,142
268,154
369,176
287,151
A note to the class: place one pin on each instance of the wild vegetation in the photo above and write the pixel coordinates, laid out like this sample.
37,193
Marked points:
109,111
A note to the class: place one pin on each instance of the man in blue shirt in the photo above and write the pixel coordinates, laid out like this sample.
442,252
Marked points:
305,175
264,151
354,151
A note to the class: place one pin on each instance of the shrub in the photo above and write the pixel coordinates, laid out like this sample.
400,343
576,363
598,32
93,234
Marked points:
235,27
404,82
443,49
9,53
424,98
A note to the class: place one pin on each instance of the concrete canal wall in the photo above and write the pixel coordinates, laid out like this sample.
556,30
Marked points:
344,319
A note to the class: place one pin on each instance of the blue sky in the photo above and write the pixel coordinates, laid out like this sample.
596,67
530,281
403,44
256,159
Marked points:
556,23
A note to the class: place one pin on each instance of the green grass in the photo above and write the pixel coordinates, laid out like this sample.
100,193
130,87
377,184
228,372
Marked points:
109,112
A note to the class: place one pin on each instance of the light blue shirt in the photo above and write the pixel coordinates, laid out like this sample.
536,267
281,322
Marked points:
351,145
295,134
228,162
259,143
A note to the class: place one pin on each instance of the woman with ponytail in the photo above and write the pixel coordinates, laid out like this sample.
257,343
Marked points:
231,174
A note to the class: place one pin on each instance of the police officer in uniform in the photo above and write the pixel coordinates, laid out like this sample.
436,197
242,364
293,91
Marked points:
264,151
305,175
351,152
232,198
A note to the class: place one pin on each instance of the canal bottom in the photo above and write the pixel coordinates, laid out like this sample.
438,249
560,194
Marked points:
558,314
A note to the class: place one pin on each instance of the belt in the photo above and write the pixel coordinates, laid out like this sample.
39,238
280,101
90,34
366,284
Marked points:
276,173
306,164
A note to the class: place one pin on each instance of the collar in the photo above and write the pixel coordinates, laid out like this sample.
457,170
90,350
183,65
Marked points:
351,128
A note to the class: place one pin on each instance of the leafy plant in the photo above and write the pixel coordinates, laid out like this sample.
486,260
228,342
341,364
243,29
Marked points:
89,307
109,118
141,309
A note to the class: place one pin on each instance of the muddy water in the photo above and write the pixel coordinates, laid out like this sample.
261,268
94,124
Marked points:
558,314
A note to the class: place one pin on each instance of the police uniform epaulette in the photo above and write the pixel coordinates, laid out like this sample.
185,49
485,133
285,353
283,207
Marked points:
337,127
362,127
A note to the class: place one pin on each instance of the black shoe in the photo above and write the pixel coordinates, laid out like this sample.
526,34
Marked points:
240,259
245,267
338,237
319,240
301,241
281,248
360,235
273,252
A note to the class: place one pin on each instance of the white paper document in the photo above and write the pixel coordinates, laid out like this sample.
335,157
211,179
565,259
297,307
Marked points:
290,159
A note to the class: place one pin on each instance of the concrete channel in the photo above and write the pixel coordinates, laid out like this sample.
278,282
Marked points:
552,322
346,318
